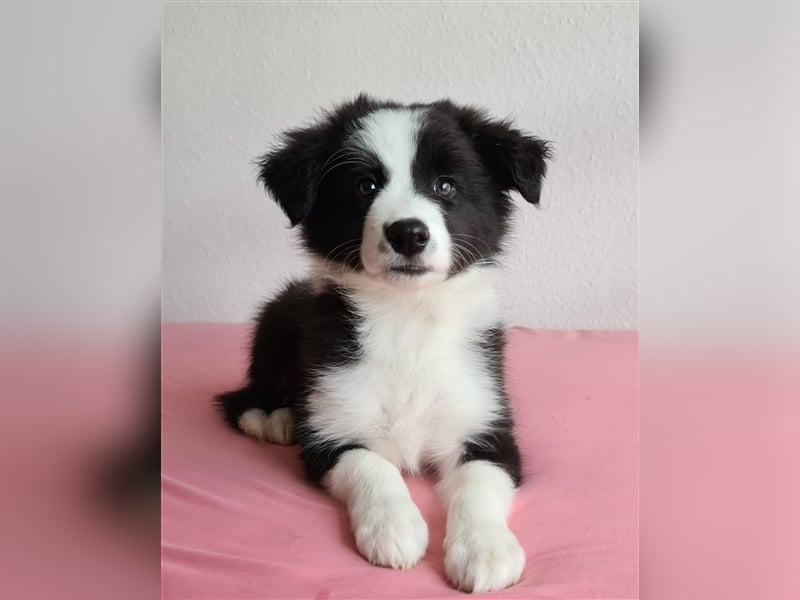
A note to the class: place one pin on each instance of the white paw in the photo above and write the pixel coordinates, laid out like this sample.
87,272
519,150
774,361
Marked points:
390,532
276,427
482,557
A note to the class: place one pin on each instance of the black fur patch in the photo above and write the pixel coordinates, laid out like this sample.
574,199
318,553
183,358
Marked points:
298,334
319,459
515,160
498,445
477,213
275,374
292,170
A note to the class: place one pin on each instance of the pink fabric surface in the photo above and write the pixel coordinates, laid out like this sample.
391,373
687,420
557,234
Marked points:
240,521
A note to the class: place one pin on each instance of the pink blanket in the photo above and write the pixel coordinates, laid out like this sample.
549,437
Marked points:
240,521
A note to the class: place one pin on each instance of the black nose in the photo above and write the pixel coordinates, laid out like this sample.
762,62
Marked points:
408,236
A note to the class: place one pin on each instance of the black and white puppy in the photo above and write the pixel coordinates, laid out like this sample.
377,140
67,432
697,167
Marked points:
389,357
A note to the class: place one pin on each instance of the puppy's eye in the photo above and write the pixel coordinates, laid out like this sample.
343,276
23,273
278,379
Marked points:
444,187
367,186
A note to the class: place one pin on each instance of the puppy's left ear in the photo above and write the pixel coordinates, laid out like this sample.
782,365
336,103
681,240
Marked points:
515,160
291,172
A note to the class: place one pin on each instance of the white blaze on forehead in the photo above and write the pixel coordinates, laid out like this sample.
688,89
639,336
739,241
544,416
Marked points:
392,136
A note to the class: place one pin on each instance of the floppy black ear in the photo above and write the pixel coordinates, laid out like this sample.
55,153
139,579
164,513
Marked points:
291,172
516,160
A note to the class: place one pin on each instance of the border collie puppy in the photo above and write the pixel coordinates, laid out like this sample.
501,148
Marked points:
388,358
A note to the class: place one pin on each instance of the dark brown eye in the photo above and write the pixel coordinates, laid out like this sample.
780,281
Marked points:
367,186
444,187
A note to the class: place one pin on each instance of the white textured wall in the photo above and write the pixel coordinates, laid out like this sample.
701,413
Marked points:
236,74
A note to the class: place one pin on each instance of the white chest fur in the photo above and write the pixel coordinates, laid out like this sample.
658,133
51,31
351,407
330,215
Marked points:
421,385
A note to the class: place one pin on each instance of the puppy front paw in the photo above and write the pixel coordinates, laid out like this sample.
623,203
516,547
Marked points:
390,533
482,557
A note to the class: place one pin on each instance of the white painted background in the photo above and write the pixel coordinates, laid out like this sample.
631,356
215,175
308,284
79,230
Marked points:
236,74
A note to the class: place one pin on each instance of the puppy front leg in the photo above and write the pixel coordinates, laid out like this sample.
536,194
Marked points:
480,552
388,527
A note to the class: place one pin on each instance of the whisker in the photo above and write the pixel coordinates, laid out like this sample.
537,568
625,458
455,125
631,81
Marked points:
473,255
342,152
466,235
345,162
351,153
332,259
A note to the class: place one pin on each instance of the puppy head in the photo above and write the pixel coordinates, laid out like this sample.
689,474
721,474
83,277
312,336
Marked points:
406,194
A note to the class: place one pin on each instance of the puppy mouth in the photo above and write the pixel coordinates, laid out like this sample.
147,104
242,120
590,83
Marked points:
409,270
